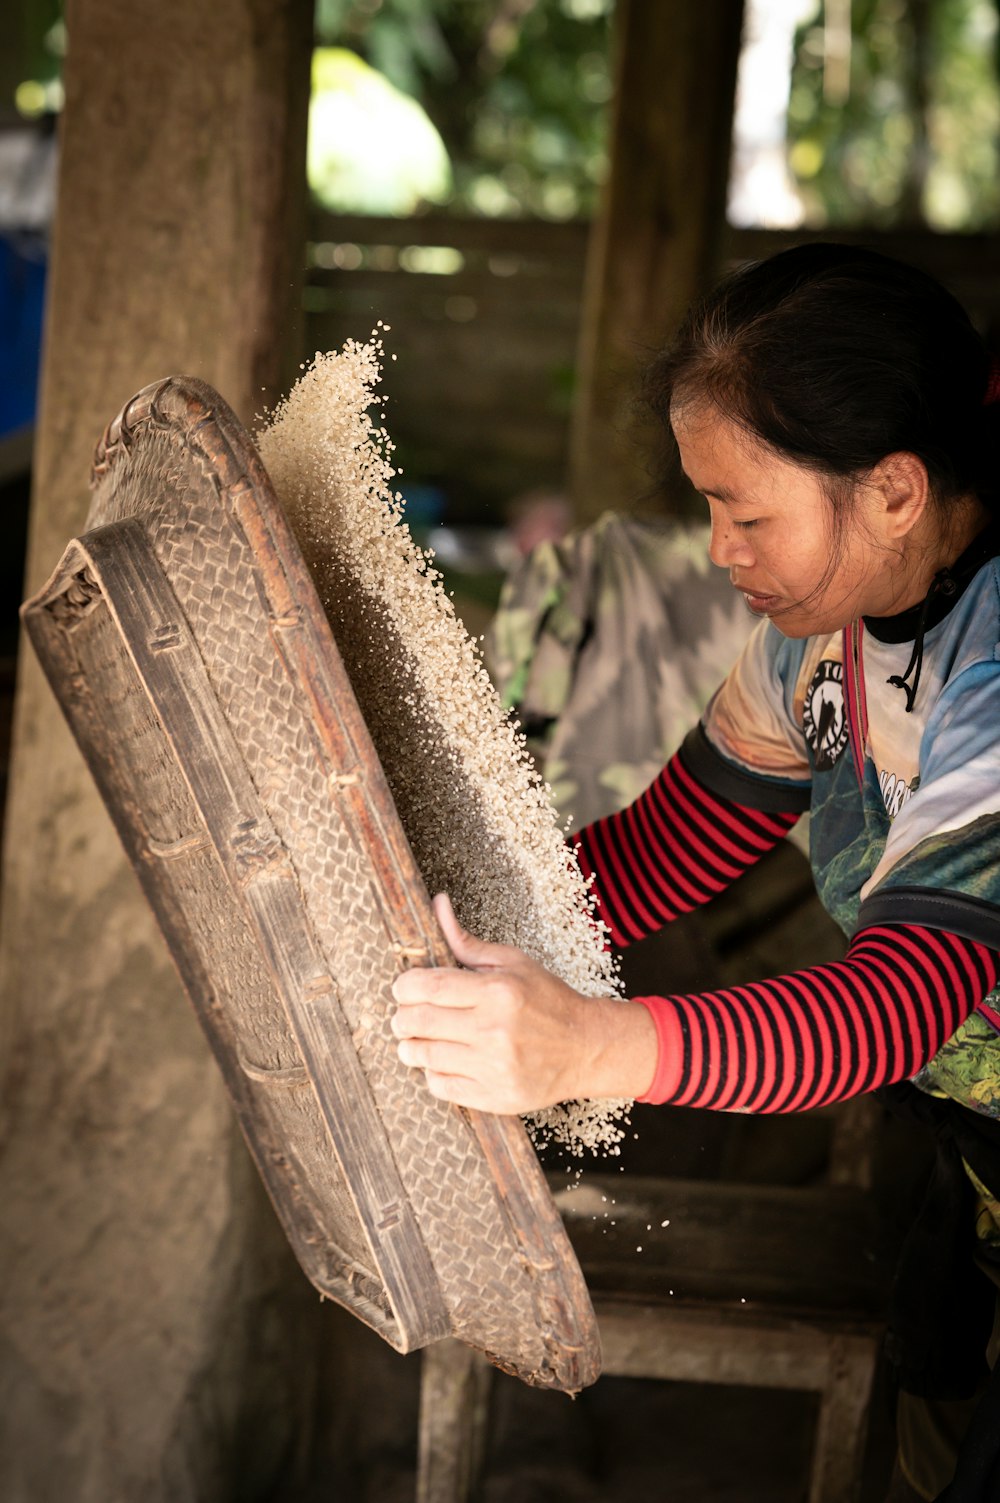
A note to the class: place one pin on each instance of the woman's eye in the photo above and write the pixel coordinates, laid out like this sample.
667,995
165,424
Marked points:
747,525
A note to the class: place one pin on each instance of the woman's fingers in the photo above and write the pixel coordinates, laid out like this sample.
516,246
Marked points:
464,1091
441,1056
464,1072
456,1026
435,1020
458,939
442,986
496,1032
454,1073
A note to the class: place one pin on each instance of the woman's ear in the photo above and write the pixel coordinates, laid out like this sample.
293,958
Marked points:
902,491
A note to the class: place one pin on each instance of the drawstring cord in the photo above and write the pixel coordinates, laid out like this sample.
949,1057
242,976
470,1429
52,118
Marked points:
943,584
946,584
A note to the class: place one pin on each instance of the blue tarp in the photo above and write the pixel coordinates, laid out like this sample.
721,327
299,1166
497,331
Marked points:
22,294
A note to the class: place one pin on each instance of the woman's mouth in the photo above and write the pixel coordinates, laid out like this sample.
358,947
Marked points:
760,604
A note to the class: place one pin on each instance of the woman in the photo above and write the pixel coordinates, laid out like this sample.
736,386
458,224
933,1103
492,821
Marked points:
842,419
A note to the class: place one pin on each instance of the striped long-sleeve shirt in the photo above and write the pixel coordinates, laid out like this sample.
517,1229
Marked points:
797,1041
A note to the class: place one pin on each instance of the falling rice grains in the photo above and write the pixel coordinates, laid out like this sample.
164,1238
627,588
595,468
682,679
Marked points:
474,810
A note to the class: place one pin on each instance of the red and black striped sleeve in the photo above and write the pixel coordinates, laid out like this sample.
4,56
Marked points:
793,1042
824,1034
674,848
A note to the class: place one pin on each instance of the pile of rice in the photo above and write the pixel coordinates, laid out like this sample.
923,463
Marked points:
474,810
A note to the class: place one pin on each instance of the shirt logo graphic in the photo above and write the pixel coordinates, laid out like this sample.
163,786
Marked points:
895,791
824,720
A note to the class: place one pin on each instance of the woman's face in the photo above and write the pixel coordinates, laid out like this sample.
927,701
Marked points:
773,529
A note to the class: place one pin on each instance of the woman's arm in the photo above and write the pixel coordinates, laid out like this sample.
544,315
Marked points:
505,1036
822,1034
675,847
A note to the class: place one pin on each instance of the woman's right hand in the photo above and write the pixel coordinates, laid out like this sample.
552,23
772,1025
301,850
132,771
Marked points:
502,1034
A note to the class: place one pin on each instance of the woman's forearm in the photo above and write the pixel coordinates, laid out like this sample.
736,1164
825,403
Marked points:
674,848
823,1034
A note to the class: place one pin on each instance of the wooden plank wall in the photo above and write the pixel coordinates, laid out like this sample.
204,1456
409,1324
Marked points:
481,387
967,264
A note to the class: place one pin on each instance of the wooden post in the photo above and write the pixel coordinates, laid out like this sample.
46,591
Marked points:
147,1296
655,244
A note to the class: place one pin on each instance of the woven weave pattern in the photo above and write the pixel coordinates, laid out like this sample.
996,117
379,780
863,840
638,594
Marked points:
255,1033
208,564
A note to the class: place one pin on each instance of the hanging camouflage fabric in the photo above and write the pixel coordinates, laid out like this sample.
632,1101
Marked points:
608,645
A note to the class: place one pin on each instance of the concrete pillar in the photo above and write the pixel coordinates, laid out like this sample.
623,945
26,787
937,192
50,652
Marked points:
148,1303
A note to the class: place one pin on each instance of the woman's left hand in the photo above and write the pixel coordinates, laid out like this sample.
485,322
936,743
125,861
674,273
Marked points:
504,1035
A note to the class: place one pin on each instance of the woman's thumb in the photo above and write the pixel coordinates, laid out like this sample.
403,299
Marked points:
466,949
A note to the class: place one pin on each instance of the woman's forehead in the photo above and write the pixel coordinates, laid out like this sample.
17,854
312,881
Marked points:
710,440
722,460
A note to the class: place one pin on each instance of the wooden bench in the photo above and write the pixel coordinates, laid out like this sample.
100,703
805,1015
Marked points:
768,1286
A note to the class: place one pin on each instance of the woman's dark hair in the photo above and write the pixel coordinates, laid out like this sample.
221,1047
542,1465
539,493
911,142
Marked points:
836,356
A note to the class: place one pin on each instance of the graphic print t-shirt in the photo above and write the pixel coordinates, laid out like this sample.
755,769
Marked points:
919,841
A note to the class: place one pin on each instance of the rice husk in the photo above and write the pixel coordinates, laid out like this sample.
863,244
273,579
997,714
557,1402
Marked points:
476,814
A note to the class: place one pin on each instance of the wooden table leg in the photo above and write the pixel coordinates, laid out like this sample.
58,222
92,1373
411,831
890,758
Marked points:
842,1426
454,1404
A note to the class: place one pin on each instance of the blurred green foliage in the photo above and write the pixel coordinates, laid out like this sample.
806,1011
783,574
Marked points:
517,88
370,144
916,137
32,51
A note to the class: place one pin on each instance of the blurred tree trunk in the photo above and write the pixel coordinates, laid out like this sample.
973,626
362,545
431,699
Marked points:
656,243
916,81
148,1298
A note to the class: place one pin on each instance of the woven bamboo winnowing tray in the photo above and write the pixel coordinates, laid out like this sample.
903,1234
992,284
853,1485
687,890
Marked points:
184,639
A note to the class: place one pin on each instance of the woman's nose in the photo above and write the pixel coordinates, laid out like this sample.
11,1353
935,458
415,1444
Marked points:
728,545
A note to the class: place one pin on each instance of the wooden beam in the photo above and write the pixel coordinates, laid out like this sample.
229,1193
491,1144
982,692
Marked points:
656,242
137,1250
